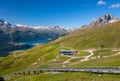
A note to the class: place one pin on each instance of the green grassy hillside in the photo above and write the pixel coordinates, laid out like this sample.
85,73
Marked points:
106,36
102,41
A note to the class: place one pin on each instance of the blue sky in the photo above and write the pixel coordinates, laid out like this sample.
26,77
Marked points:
68,13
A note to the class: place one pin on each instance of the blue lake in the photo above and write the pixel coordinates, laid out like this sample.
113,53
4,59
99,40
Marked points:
37,42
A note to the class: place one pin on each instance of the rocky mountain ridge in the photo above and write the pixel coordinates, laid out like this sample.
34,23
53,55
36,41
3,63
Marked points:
43,31
105,19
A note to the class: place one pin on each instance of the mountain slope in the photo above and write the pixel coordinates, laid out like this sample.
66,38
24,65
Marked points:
104,37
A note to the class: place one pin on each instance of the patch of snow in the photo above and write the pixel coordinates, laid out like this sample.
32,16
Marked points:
39,27
111,21
6,22
20,25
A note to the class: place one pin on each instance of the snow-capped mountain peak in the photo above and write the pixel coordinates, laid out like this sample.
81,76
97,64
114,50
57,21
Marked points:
4,23
20,25
46,27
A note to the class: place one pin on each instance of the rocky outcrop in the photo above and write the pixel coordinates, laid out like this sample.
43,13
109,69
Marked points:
107,18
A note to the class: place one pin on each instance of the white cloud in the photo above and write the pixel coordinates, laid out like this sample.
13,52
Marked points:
101,2
115,6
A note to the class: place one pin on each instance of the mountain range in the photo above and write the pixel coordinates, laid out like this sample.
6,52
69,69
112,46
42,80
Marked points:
12,34
30,32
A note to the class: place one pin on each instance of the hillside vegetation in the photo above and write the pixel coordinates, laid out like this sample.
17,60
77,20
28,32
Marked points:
105,36
103,41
